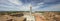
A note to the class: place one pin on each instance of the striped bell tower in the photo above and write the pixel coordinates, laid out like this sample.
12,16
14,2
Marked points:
30,17
30,10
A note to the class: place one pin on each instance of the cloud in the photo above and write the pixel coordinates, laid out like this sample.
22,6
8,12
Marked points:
17,2
24,5
15,5
51,8
51,1
6,5
30,1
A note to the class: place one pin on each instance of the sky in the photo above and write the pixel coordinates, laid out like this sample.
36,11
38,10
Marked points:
24,5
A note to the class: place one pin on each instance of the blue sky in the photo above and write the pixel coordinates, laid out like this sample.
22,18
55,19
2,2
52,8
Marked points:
23,5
